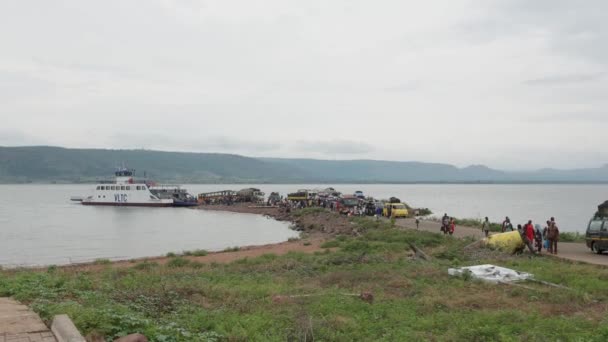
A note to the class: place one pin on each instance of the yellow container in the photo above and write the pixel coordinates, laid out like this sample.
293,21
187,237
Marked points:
509,242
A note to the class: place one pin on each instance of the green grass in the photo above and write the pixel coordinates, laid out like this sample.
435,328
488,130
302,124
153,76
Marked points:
571,237
249,299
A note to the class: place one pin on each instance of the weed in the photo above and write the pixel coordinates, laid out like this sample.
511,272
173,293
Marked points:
330,244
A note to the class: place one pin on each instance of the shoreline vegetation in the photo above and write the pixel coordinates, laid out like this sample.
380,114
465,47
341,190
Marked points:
345,279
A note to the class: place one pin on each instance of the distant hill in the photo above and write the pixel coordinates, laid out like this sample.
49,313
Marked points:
43,164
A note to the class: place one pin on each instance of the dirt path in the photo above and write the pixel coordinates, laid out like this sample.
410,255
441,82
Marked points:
567,250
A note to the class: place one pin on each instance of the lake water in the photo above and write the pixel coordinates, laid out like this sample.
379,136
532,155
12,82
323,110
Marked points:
40,226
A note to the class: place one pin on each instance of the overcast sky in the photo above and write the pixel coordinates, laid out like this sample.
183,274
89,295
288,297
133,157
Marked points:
509,84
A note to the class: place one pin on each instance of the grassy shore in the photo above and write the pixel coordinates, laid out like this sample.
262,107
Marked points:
317,296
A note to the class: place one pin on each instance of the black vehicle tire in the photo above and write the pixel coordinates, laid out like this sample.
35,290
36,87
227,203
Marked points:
596,249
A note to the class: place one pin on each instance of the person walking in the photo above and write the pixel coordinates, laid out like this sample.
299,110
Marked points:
506,225
417,223
452,226
485,226
445,221
553,235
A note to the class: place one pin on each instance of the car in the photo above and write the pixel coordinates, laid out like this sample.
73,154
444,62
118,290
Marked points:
359,194
396,210
596,236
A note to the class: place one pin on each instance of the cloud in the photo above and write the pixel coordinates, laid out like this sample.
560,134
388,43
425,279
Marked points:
334,147
572,117
404,87
193,143
564,79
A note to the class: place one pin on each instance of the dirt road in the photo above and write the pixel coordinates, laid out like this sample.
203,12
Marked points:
566,250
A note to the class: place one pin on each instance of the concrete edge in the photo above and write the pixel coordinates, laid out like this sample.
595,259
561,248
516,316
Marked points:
65,330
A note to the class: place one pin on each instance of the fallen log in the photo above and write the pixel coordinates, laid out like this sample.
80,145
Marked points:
418,252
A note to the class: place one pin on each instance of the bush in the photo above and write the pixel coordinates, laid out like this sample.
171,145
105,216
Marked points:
102,262
178,262
196,252
171,255
232,249
330,244
145,266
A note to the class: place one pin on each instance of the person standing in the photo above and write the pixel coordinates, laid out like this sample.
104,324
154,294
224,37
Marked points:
553,237
417,222
529,236
452,226
485,226
506,225
538,238
546,236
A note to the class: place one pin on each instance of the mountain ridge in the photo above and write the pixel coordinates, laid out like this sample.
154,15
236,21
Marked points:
40,164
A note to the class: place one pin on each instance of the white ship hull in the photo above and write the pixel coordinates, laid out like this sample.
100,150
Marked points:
125,193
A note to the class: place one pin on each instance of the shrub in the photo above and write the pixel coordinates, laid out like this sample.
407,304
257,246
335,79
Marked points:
178,262
330,244
196,252
145,266
171,255
232,249
102,262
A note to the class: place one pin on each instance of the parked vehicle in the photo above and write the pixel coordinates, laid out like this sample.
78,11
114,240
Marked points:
394,210
250,195
359,194
596,236
347,202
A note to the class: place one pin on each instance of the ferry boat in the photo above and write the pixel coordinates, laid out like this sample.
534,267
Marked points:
179,195
124,191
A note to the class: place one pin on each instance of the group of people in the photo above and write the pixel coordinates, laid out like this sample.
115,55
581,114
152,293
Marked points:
532,235
448,224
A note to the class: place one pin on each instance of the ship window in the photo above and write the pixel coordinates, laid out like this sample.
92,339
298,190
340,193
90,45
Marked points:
138,187
112,187
122,187
143,187
98,188
128,187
